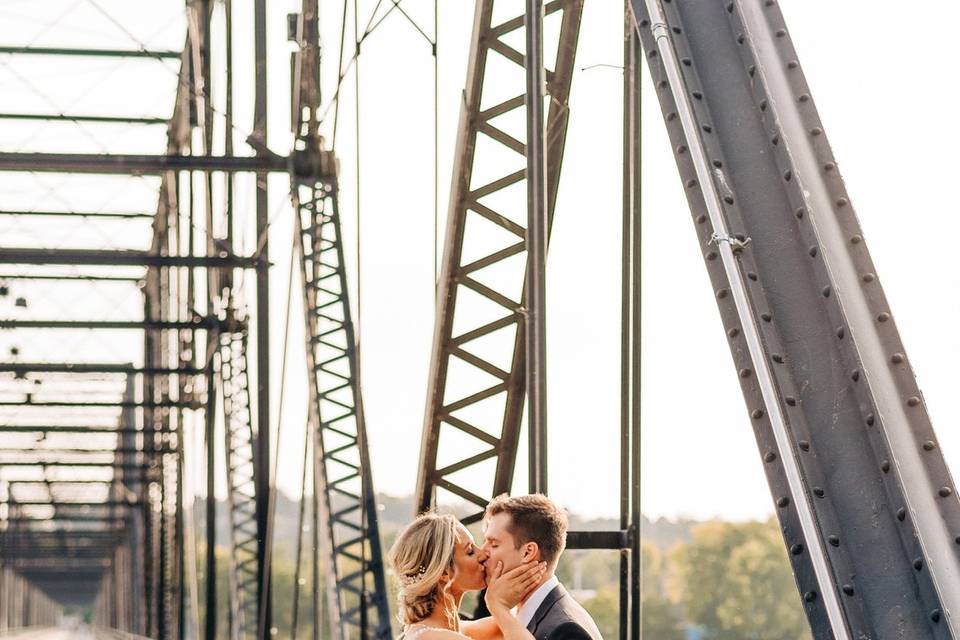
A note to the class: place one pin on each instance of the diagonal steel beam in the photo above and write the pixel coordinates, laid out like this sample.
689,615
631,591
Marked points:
479,130
867,506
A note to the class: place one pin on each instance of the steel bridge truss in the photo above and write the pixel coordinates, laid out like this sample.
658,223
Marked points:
867,506
93,509
131,531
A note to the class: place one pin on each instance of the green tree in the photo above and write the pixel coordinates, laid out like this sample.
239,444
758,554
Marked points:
661,618
736,583
604,607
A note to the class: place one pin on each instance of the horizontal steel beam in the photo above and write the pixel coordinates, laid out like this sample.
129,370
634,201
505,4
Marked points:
198,323
92,536
58,505
59,560
138,164
77,451
21,530
23,517
58,564
57,548
598,539
54,117
77,403
24,551
46,482
117,258
79,214
55,537
31,547
93,367
68,277
64,463
76,429
96,53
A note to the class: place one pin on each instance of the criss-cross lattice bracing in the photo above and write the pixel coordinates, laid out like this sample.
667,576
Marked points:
336,408
476,385
239,445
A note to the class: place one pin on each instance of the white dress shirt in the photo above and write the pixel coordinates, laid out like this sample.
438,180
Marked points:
528,608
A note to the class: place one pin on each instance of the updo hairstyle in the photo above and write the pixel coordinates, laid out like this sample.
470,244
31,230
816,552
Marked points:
420,557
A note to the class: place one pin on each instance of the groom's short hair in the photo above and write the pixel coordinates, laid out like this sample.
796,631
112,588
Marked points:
534,518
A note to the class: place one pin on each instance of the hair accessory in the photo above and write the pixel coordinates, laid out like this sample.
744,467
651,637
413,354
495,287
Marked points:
412,579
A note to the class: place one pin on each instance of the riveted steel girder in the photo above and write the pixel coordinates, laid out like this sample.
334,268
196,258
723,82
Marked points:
866,504
476,385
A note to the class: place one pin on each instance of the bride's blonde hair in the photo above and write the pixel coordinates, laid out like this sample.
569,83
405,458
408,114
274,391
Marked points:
422,560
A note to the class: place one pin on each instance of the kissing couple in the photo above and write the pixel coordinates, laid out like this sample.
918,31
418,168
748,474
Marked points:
435,561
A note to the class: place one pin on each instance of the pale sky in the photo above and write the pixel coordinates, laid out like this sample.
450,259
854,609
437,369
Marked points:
887,112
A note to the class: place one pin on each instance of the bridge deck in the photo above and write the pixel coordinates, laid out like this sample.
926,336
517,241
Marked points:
81,632
47,633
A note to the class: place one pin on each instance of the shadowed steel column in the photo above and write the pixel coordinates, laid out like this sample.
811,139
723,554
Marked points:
535,302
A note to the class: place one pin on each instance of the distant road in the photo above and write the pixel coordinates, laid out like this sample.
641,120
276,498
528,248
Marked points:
81,633
51,634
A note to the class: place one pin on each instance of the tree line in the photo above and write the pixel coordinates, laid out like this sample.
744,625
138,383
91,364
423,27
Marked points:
700,581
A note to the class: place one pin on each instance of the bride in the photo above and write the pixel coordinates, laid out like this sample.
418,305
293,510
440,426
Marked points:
435,562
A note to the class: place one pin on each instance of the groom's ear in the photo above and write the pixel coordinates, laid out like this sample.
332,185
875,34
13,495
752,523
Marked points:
531,551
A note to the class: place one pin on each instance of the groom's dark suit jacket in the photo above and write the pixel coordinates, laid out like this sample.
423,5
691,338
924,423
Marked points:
560,617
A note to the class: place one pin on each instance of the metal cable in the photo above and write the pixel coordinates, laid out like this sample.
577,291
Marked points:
334,102
191,86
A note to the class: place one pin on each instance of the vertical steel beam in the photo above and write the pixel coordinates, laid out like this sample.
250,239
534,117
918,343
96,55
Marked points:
315,563
630,336
211,609
537,224
263,320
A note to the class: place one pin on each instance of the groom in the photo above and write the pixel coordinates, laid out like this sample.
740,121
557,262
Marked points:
532,527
